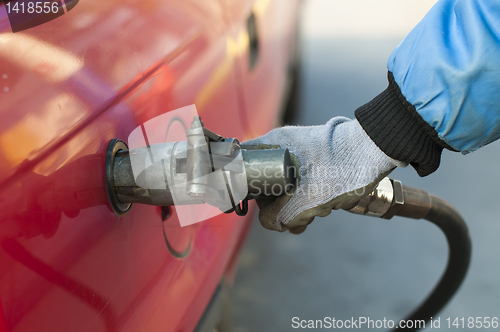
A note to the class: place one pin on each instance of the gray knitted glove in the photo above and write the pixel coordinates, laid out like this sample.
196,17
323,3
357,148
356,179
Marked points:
339,165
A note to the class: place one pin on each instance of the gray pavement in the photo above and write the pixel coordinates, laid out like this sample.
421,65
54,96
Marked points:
345,265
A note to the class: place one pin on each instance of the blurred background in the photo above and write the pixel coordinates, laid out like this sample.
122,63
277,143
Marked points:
345,265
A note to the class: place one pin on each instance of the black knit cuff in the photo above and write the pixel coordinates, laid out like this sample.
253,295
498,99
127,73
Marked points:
398,130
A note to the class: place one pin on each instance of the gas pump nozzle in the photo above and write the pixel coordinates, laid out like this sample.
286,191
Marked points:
206,168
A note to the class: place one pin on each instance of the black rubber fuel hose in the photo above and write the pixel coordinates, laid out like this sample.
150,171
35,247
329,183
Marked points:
451,223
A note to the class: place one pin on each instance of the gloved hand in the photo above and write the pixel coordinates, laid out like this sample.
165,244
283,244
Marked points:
339,165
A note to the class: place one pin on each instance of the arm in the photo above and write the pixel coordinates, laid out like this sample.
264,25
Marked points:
444,86
444,92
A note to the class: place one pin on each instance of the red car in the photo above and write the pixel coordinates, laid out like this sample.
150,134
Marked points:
70,86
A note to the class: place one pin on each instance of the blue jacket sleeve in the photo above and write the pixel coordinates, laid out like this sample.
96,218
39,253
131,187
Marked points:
448,67
444,86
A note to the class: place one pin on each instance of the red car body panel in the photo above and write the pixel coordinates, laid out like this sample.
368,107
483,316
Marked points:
67,87
264,85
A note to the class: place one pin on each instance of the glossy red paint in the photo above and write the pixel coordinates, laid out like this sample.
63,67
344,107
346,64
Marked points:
67,262
264,85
